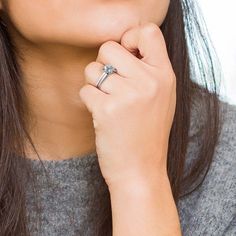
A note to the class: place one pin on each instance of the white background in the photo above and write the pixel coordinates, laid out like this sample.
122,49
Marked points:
220,17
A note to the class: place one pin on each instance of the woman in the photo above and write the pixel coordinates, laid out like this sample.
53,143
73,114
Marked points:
147,151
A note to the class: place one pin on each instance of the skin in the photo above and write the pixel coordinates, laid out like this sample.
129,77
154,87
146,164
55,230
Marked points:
56,46
62,46
132,130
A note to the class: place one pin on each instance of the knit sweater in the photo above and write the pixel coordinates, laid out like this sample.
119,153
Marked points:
74,195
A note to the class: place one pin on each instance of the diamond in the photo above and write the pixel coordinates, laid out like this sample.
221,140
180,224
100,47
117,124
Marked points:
109,69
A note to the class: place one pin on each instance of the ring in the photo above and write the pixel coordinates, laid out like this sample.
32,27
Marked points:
108,70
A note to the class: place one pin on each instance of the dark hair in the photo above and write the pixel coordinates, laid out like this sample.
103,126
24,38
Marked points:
193,60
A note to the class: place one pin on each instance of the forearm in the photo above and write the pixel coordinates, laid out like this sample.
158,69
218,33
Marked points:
144,207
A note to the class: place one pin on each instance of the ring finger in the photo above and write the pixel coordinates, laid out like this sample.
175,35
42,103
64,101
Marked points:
111,85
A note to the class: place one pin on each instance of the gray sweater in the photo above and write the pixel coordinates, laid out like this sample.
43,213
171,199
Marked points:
73,198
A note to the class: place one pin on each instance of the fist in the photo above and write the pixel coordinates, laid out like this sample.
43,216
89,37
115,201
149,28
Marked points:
134,108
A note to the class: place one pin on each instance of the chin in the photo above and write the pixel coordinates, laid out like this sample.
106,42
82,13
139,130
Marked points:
112,32
108,26
96,36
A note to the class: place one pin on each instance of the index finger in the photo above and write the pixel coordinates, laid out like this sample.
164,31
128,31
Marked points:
150,42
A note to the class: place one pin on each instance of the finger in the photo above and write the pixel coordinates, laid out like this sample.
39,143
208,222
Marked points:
112,84
149,40
126,63
92,97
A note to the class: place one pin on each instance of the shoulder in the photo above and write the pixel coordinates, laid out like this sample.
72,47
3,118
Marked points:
225,153
228,133
226,145
211,209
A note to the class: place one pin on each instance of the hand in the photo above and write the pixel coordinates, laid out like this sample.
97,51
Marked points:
133,112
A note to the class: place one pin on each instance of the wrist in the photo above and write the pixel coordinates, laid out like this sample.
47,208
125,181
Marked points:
135,184
146,198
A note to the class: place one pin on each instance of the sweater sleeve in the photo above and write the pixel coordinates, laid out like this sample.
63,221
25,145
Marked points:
231,229
211,209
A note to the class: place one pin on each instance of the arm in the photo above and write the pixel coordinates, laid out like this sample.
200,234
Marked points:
133,119
144,207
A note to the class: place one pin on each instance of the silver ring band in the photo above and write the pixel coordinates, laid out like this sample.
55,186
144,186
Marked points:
108,70
101,79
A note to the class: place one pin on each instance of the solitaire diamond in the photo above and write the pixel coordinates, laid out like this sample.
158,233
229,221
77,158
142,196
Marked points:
109,69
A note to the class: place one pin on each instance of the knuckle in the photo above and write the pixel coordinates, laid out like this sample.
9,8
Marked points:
151,28
106,47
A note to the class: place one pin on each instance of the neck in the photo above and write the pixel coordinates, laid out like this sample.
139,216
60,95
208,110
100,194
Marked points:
52,78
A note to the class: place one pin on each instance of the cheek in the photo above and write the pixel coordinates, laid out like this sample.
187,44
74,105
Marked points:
29,18
84,25
79,22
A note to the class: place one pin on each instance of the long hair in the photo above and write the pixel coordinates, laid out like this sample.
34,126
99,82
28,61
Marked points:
195,66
